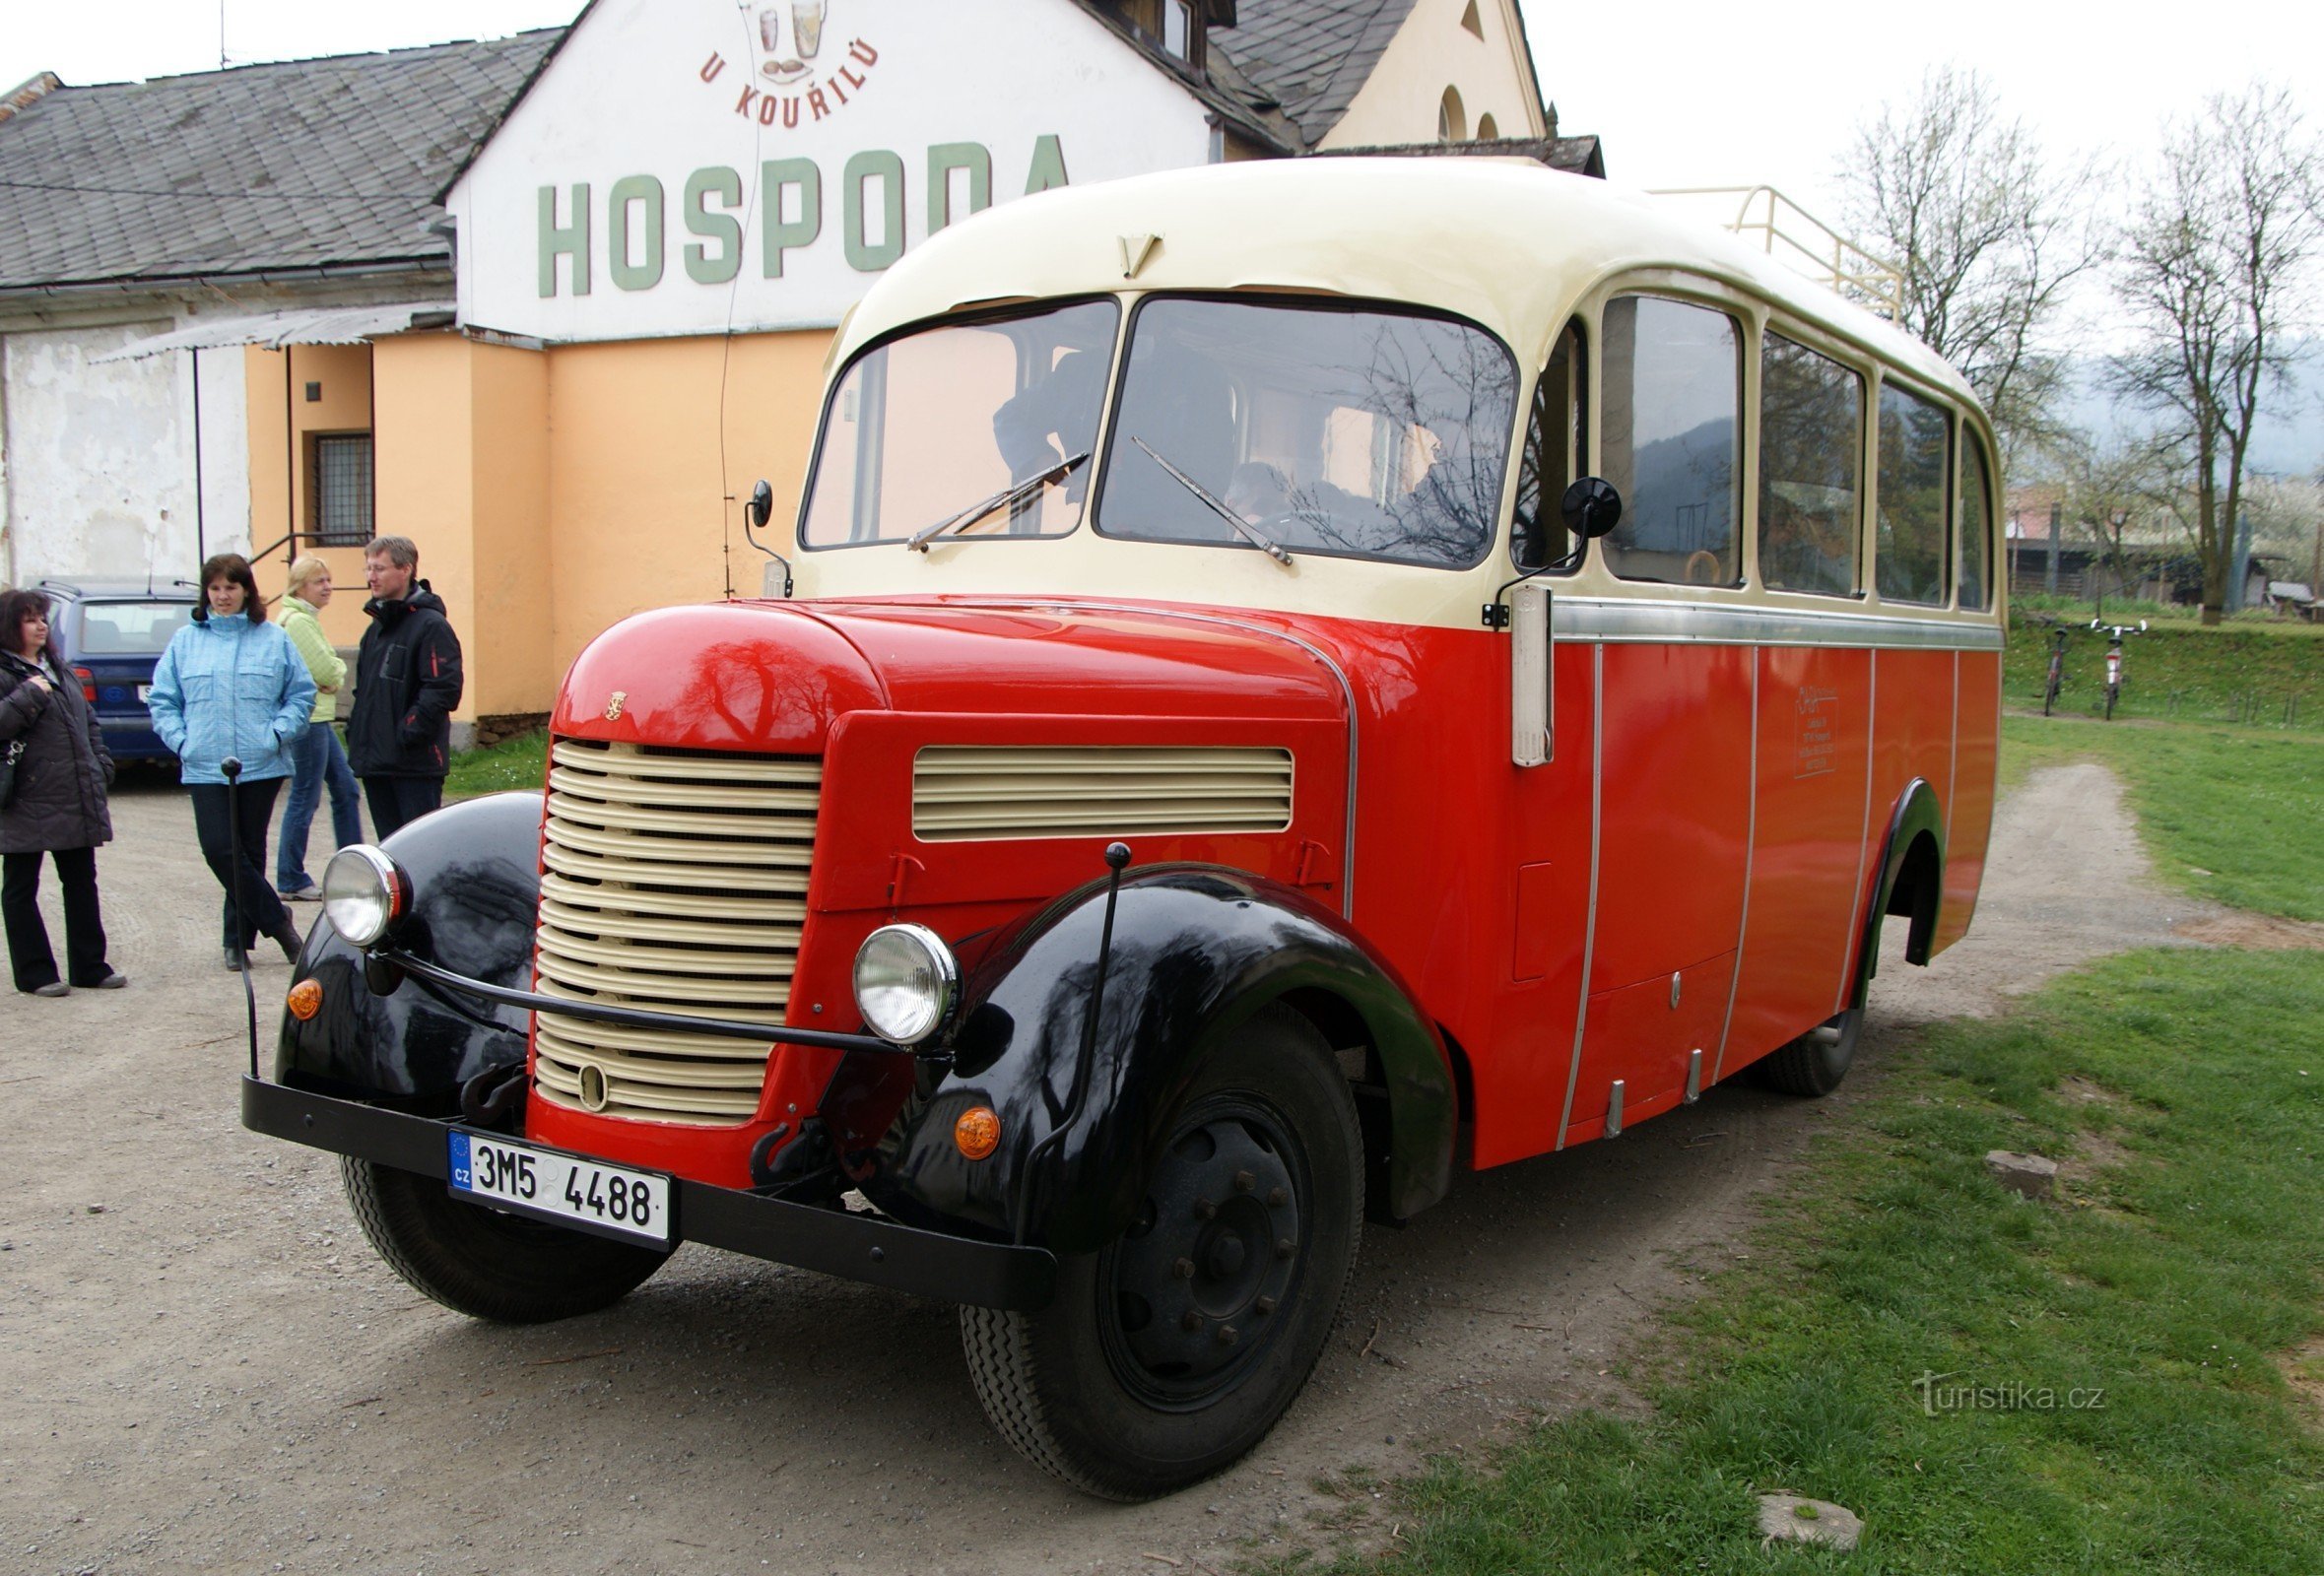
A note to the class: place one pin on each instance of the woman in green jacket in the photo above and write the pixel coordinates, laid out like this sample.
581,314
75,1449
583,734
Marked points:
316,761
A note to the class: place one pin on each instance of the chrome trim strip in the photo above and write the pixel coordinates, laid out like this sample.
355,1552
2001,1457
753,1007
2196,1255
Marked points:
1625,618
1347,692
1751,848
1856,903
1951,776
1614,1109
1694,1075
1589,934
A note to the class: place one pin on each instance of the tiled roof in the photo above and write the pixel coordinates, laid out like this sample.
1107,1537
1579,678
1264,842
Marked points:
1309,57
289,166
1576,156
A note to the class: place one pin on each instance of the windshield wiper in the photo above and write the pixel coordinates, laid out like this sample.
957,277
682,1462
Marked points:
1008,498
1257,538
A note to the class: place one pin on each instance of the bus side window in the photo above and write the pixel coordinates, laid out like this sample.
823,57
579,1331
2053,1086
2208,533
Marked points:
1556,441
1810,441
1673,440
1908,562
1976,526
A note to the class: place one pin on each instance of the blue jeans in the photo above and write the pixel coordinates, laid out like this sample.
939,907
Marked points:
316,761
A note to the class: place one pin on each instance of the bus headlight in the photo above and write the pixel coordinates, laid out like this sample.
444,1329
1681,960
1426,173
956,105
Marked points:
364,893
905,979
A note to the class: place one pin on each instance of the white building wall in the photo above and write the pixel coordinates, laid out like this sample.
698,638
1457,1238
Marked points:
97,458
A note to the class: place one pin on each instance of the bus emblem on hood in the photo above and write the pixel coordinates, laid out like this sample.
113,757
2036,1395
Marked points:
613,707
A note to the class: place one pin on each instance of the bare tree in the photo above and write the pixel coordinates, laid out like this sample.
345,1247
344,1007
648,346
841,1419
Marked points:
2216,258
1989,237
2120,488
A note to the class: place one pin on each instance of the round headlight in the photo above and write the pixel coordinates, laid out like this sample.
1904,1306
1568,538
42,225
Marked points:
363,894
904,982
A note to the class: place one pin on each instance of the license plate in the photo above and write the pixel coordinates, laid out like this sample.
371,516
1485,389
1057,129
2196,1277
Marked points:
569,1189
144,693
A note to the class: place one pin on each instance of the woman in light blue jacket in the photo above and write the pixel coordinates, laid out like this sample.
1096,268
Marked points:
231,685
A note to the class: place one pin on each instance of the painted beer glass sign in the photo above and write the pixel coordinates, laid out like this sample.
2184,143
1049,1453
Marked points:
1264,713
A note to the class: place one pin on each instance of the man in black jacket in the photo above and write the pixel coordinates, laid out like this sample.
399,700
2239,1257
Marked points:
407,681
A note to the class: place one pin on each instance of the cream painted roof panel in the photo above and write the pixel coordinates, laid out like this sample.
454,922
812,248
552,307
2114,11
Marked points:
1505,242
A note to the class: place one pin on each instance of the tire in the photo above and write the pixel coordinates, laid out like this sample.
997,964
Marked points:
2113,690
2049,695
1812,1065
1147,1373
482,1263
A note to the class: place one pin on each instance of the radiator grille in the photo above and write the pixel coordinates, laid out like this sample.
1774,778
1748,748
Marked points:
674,881
964,790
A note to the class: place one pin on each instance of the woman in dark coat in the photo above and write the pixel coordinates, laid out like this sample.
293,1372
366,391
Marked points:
56,807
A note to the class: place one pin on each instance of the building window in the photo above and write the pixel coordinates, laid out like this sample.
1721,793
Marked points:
1178,28
339,489
1471,21
1487,128
1452,121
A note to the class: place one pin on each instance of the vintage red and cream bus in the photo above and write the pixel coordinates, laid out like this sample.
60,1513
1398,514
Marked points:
1291,681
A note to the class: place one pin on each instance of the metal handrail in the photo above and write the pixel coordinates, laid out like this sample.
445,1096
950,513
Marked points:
1810,247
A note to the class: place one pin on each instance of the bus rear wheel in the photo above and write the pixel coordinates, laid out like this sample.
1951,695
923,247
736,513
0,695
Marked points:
1172,1350
1812,1065
482,1263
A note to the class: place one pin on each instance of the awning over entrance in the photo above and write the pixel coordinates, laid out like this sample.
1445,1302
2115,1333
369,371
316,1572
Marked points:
323,325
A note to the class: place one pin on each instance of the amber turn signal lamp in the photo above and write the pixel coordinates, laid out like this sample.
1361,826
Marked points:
306,999
978,1132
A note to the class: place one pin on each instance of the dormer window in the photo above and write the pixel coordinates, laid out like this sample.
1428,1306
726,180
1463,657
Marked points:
1175,27
1178,29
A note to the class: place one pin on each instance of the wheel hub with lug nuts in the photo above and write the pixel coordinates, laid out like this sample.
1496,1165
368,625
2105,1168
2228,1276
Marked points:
1211,1255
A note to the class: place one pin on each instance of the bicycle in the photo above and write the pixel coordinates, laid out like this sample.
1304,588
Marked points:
2057,675
2115,633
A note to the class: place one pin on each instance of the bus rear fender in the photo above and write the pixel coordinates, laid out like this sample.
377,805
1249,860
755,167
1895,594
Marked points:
1909,882
1196,951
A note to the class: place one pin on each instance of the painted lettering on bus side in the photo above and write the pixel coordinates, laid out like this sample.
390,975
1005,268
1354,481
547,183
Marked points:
1817,743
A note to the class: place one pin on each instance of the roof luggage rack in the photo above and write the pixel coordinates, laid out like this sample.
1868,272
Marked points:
1796,238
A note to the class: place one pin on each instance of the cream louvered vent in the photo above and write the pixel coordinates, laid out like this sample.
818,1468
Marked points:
674,881
965,791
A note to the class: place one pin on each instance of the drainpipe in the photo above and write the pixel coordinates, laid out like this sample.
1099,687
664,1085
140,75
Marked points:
201,533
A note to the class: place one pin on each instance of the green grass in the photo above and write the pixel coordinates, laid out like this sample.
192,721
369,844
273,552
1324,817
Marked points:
518,763
2117,609
2230,813
2256,673
2184,1256
2178,1273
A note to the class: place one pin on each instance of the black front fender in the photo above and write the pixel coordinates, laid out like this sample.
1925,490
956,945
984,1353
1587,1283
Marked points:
1196,951
475,870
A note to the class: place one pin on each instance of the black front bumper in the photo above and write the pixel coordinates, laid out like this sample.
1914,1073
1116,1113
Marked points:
858,1247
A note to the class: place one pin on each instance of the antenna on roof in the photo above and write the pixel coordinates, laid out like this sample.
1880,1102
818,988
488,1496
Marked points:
222,35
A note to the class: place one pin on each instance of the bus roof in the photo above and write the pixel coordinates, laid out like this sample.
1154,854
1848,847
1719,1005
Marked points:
1507,243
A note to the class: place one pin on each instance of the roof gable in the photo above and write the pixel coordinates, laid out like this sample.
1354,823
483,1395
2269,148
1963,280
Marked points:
307,164
1311,58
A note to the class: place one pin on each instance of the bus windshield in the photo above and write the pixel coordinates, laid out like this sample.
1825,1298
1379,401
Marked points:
1369,433
932,423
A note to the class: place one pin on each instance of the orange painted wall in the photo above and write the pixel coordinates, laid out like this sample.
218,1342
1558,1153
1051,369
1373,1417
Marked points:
345,373
551,493
645,508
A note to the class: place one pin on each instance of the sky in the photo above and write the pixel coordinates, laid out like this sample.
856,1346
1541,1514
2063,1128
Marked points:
1684,93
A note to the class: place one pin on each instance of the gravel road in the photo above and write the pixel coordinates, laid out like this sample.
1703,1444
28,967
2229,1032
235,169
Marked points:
204,1367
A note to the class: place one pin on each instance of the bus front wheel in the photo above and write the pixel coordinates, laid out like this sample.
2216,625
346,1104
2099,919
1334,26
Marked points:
482,1263
1170,1352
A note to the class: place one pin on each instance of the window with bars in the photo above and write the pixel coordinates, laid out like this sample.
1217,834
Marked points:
339,489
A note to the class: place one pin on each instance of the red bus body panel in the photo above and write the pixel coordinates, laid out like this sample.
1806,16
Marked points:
1724,801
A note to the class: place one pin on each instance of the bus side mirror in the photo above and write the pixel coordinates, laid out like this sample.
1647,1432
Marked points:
760,507
1531,742
1591,508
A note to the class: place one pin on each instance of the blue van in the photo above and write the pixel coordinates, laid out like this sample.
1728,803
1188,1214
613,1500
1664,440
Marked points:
110,634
